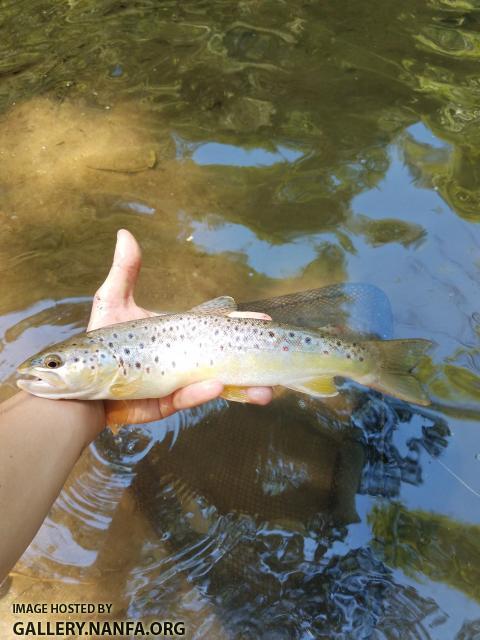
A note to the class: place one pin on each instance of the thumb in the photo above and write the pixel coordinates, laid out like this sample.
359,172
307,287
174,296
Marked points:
120,282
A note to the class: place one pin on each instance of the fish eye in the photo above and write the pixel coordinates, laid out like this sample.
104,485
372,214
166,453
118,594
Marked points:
52,361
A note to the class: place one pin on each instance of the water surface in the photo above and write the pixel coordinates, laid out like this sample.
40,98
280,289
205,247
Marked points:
255,148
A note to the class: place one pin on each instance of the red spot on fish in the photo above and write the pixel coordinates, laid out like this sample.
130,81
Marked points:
285,348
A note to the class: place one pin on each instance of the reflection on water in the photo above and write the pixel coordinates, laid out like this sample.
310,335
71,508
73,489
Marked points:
255,149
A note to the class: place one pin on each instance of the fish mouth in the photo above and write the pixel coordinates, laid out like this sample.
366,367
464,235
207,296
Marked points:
39,382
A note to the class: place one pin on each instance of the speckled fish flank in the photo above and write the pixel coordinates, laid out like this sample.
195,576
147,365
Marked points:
153,357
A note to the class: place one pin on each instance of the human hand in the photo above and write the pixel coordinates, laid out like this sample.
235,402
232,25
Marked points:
113,303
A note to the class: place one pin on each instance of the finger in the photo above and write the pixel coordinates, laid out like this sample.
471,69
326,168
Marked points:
196,393
249,314
259,395
121,412
120,282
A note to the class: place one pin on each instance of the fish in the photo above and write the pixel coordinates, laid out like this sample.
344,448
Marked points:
154,356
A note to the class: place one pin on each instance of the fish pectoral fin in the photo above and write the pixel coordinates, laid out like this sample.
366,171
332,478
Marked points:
124,390
235,394
320,387
222,305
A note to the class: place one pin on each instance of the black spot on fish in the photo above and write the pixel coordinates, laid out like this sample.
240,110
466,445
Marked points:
339,344
101,339
291,334
271,334
308,340
115,335
211,363
156,358
138,365
124,372
325,352
236,328
110,344
92,366
354,344
127,351
84,361
121,362
130,335
348,356
173,364
361,358
147,369
153,338
163,373
75,359
168,345
141,345
97,350
102,355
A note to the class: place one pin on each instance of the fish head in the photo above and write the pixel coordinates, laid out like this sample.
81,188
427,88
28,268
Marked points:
82,367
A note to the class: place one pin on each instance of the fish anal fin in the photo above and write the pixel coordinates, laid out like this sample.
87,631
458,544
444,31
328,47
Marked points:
222,305
319,387
235,394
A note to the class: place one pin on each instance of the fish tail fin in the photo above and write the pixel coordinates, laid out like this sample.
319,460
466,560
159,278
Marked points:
396,361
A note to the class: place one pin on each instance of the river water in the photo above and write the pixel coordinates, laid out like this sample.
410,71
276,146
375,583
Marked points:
255,148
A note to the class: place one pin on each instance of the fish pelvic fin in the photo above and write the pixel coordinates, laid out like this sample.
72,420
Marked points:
319,387
216,307
396,361
235,394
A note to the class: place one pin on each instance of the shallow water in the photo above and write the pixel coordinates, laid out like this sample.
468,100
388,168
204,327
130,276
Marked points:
255,148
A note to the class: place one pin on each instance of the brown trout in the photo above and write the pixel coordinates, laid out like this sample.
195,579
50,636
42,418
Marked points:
154,356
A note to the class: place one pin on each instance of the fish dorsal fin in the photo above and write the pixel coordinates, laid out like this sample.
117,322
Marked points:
216,307
320,387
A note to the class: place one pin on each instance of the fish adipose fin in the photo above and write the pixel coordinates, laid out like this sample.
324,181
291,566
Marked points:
397,359
235,394
320,387
216,307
